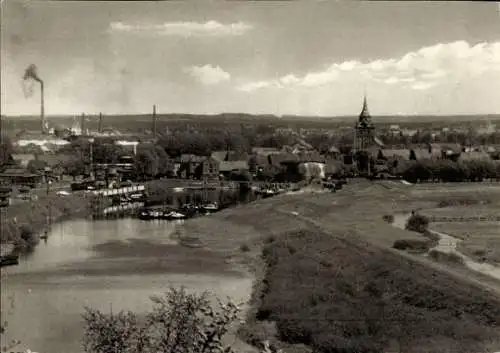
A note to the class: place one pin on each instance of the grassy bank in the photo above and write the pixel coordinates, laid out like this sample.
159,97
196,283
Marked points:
330,281
22,223
318,296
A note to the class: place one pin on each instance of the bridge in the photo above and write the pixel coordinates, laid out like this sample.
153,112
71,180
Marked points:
106,202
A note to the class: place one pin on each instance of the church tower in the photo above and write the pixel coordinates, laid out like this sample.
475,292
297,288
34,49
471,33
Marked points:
365,130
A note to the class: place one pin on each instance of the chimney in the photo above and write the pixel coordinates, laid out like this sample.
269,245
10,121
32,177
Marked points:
154,121
42,108
100,123
82,123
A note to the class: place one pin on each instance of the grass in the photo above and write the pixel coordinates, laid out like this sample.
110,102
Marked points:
480,240
492,210
451,258
330,274
318,296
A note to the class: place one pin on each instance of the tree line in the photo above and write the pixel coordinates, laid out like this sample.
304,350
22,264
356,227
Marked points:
449,171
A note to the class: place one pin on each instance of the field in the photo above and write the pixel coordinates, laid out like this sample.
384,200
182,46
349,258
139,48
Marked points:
480,239
330,272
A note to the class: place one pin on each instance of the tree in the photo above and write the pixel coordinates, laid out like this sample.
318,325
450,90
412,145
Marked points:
75,168
179,322
241,175
106,152
146,163
417,223
6,150
36,166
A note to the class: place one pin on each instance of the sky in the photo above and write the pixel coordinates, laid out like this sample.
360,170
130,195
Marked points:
310,57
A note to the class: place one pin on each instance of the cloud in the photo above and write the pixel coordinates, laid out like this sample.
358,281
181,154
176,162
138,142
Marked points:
208,74
422,86
183,29
422,69
313,79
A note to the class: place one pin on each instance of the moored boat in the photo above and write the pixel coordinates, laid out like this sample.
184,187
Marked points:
211,207
9,260
174,215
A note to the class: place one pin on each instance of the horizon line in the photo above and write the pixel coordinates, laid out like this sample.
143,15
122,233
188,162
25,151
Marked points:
9,116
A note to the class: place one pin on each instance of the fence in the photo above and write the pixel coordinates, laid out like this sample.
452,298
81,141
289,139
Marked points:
465,219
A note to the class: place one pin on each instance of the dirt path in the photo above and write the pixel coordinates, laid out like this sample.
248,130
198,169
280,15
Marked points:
448,244
491,286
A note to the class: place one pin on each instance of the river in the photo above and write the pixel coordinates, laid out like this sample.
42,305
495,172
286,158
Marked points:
108,264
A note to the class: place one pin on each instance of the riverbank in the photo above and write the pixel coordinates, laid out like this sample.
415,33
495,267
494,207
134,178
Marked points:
23,223
331,249
112,263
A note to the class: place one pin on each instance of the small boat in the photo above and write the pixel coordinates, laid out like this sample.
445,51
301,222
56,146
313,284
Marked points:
212,207
174,215
189,206
9,260
150,214
268,192
136,196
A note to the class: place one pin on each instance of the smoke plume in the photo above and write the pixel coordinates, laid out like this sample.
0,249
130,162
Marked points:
31,73
28,87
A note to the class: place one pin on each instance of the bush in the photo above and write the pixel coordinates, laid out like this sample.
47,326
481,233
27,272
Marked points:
179,322
27,240
416,245
244,248
440,256
389,218
463,201
417,223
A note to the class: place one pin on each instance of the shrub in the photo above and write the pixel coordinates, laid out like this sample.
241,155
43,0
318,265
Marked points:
446,257
389,218
27,240
244,248
269,239
179,322
412,244
462,201
417,223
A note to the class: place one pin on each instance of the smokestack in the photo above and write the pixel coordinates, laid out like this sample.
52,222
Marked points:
42,108
31,74
100,123
82,123
154,121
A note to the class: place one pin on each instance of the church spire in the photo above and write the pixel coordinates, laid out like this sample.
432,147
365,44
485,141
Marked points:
364,116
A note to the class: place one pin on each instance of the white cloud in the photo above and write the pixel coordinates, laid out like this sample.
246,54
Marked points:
422,69
184,29
208,74
253,86
313,79
422,86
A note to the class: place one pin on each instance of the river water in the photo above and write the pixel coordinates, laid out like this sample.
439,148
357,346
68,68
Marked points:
108,264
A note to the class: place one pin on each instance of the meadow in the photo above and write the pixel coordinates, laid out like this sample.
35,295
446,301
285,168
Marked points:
480,238
327,274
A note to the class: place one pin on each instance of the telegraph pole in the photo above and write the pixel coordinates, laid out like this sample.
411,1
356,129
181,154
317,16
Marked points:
154,121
